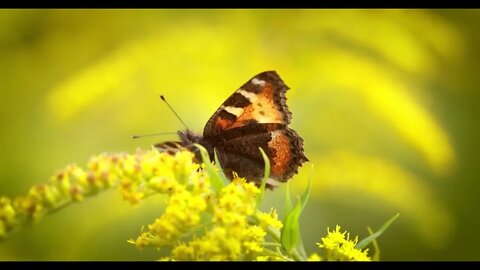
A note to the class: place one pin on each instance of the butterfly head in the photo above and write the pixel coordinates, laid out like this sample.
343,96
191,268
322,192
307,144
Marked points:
188,137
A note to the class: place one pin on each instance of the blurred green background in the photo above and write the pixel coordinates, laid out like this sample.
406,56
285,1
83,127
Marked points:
387,102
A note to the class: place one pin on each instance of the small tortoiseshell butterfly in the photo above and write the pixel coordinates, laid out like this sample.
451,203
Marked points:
256,115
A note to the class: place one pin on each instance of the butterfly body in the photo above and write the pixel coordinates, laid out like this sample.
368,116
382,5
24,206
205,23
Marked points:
255,116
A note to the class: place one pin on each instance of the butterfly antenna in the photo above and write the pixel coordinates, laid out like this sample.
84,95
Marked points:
164,100
150,135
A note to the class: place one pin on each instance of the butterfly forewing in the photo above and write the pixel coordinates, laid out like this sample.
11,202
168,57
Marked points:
260,100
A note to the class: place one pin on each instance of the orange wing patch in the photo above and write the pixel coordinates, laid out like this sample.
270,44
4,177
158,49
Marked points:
259,101
262,109
223,123
282,152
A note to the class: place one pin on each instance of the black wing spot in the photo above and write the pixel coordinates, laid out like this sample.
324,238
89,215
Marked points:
237,100
227,116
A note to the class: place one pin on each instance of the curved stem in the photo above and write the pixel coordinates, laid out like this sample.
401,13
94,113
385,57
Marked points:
275,235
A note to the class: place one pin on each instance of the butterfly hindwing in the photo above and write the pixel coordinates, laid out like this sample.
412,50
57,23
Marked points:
260,100
240,152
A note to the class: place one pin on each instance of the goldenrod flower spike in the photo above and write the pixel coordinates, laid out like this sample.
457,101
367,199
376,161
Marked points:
201,221
339,247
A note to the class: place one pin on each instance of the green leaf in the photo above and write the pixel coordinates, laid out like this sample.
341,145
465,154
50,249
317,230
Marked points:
266,174
365,242
300,247
376,247
215,177
290,237
306,193
219,167
291,228
288,201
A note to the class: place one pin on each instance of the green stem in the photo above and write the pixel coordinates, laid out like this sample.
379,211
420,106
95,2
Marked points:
271,244
276,254
275,235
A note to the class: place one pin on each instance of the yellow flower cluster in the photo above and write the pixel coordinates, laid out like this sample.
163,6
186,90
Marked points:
219,224
138,176
230,236
340,248
269,219
66,186
199,222
7,216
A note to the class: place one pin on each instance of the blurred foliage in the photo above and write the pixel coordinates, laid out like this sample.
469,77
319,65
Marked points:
385,100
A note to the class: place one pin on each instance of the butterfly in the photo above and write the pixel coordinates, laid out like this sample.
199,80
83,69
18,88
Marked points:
256,115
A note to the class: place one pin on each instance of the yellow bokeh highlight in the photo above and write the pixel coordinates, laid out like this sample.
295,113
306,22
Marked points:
398,36
94,83
388,97
341,174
